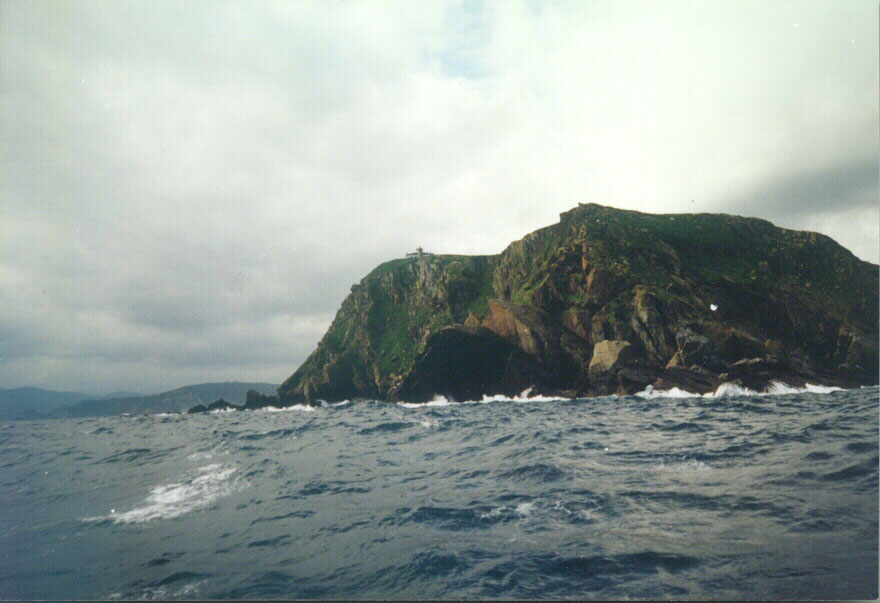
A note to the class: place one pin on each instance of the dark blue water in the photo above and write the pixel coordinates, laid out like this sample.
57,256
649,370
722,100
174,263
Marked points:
738,497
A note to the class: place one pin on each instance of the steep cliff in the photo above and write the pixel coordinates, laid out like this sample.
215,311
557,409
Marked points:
605,301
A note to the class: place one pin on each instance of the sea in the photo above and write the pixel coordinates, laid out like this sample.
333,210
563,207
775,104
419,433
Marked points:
735,495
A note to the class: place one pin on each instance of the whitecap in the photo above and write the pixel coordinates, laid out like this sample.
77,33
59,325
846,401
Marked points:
493,513
437,401
727,390
649,392
524,509
178,498
821,389
300,407
686,468
523,397
204,455
779,388
486,399
776,388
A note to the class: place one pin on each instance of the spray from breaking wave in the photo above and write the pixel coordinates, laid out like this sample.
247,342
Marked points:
728,390
725,390
175,499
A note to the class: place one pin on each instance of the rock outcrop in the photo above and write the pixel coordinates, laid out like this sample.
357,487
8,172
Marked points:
606,301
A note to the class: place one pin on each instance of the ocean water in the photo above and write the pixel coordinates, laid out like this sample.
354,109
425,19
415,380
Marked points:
650,496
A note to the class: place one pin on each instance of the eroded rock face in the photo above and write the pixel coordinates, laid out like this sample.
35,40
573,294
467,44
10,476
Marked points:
525,328
610,355
695,349
650,326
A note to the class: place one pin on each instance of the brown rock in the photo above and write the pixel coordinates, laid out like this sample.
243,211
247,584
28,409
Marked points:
610,355
524,327
648,324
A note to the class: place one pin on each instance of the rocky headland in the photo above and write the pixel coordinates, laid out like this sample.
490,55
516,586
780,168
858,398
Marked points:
606,301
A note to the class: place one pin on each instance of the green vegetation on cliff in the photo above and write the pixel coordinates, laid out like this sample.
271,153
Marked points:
797,301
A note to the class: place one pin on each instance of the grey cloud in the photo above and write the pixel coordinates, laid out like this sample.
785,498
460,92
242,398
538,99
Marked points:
188,190
854,185
842,201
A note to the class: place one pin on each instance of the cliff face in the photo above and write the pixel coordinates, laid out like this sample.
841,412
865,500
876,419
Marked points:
605,301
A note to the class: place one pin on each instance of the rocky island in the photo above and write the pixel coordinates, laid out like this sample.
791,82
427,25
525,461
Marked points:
606,301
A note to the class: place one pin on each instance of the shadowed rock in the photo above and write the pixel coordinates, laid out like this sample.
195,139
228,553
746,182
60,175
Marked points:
466,363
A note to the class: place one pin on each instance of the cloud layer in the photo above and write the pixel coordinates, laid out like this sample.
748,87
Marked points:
189,189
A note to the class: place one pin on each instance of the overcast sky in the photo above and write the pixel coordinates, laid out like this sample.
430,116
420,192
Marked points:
188,190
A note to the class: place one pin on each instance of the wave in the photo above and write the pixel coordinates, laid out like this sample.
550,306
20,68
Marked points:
727,390
175,499
440,400
299,407
437,401
523,397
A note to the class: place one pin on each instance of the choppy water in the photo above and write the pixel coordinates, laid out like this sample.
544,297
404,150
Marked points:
744,496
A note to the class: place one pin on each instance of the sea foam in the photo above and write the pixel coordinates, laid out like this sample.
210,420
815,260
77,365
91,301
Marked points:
178,498
299,407
727,390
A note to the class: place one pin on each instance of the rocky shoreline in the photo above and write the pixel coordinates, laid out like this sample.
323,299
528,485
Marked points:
604,302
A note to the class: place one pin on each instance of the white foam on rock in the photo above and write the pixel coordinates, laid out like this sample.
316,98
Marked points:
523,397
178,498
299,407
437,401
727,390
821,389
649,392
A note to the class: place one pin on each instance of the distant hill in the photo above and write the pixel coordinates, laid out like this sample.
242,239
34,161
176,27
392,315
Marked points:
27,402
119,394
178,400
